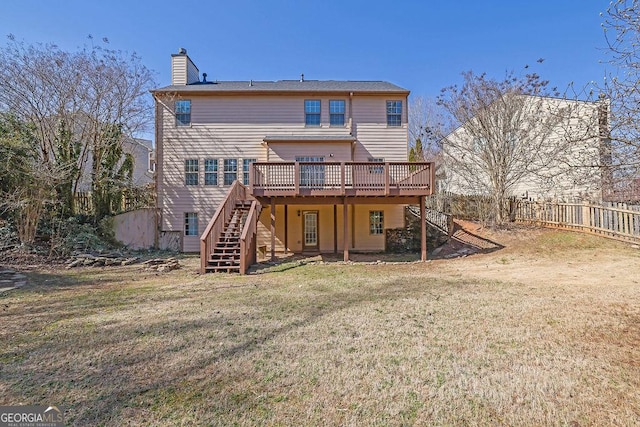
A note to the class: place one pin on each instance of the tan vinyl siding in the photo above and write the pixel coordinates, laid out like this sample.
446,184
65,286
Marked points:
364,241
183,70
193,75
235,126
288,151
179,70
375,140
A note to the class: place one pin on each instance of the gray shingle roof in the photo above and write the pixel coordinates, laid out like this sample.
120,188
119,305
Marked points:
288,86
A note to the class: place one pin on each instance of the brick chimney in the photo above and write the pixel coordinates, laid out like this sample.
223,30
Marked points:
183,70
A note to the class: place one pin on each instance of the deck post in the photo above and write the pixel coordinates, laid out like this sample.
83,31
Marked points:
345,220
423,230
273,229
335,229
286,228
387,178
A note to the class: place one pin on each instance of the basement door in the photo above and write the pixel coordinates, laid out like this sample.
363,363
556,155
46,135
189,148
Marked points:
310,231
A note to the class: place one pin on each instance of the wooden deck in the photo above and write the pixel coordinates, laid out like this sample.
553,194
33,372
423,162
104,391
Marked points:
347,179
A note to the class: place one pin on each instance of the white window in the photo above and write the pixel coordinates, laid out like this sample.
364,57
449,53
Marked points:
183,112
376,222
312,112
211,172
190,224
336,112
311,175
230,171
246,169
377,168
191,172
394,113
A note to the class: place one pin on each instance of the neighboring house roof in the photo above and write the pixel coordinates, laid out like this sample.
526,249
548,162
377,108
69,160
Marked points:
292,86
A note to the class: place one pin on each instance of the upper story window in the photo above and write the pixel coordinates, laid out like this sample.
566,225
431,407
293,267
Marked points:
246,168
230,171
394,113
312,112
191,172
336,112
211,172
183,112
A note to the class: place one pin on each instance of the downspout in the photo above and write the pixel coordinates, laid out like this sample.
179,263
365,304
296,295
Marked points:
351,126
156,175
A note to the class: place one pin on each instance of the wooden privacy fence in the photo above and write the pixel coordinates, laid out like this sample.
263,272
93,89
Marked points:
615,220
130,199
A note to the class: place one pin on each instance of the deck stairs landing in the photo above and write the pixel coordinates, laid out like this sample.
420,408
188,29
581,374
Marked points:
225,256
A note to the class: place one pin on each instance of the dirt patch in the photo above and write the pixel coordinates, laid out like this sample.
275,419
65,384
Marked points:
534,255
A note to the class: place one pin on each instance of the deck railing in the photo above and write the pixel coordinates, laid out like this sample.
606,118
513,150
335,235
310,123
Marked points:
248,239
341,179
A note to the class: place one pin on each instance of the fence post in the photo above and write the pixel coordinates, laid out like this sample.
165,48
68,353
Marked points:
586,215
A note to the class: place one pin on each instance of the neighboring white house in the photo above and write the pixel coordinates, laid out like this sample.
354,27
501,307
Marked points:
551,148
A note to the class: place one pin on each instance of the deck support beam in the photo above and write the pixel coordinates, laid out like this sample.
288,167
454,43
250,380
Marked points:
335,229
286,228
345,220
423,230
273,229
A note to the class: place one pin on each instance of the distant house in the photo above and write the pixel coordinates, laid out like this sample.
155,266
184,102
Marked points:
143,164
325,162
565,156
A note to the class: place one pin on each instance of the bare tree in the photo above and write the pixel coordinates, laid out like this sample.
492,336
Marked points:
74,100
425,117
23,189
622,31
513,138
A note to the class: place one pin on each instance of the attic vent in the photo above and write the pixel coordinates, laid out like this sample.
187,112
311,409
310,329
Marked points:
204,77
302,77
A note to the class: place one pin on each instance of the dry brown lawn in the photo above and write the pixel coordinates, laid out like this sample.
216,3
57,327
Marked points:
543,332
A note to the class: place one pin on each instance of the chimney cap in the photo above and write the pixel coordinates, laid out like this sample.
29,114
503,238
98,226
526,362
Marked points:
182,51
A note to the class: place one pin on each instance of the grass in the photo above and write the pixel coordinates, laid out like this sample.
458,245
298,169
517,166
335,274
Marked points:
439,343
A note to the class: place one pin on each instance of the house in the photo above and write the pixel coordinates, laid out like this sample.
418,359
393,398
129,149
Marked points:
299,166
142,153
547,148
143,160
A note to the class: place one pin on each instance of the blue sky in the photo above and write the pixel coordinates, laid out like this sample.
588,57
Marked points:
420,45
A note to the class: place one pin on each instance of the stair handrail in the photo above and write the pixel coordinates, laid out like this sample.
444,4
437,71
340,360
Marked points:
215,227
440,220
248,238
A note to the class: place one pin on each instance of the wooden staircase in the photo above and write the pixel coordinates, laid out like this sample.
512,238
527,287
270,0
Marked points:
225,254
